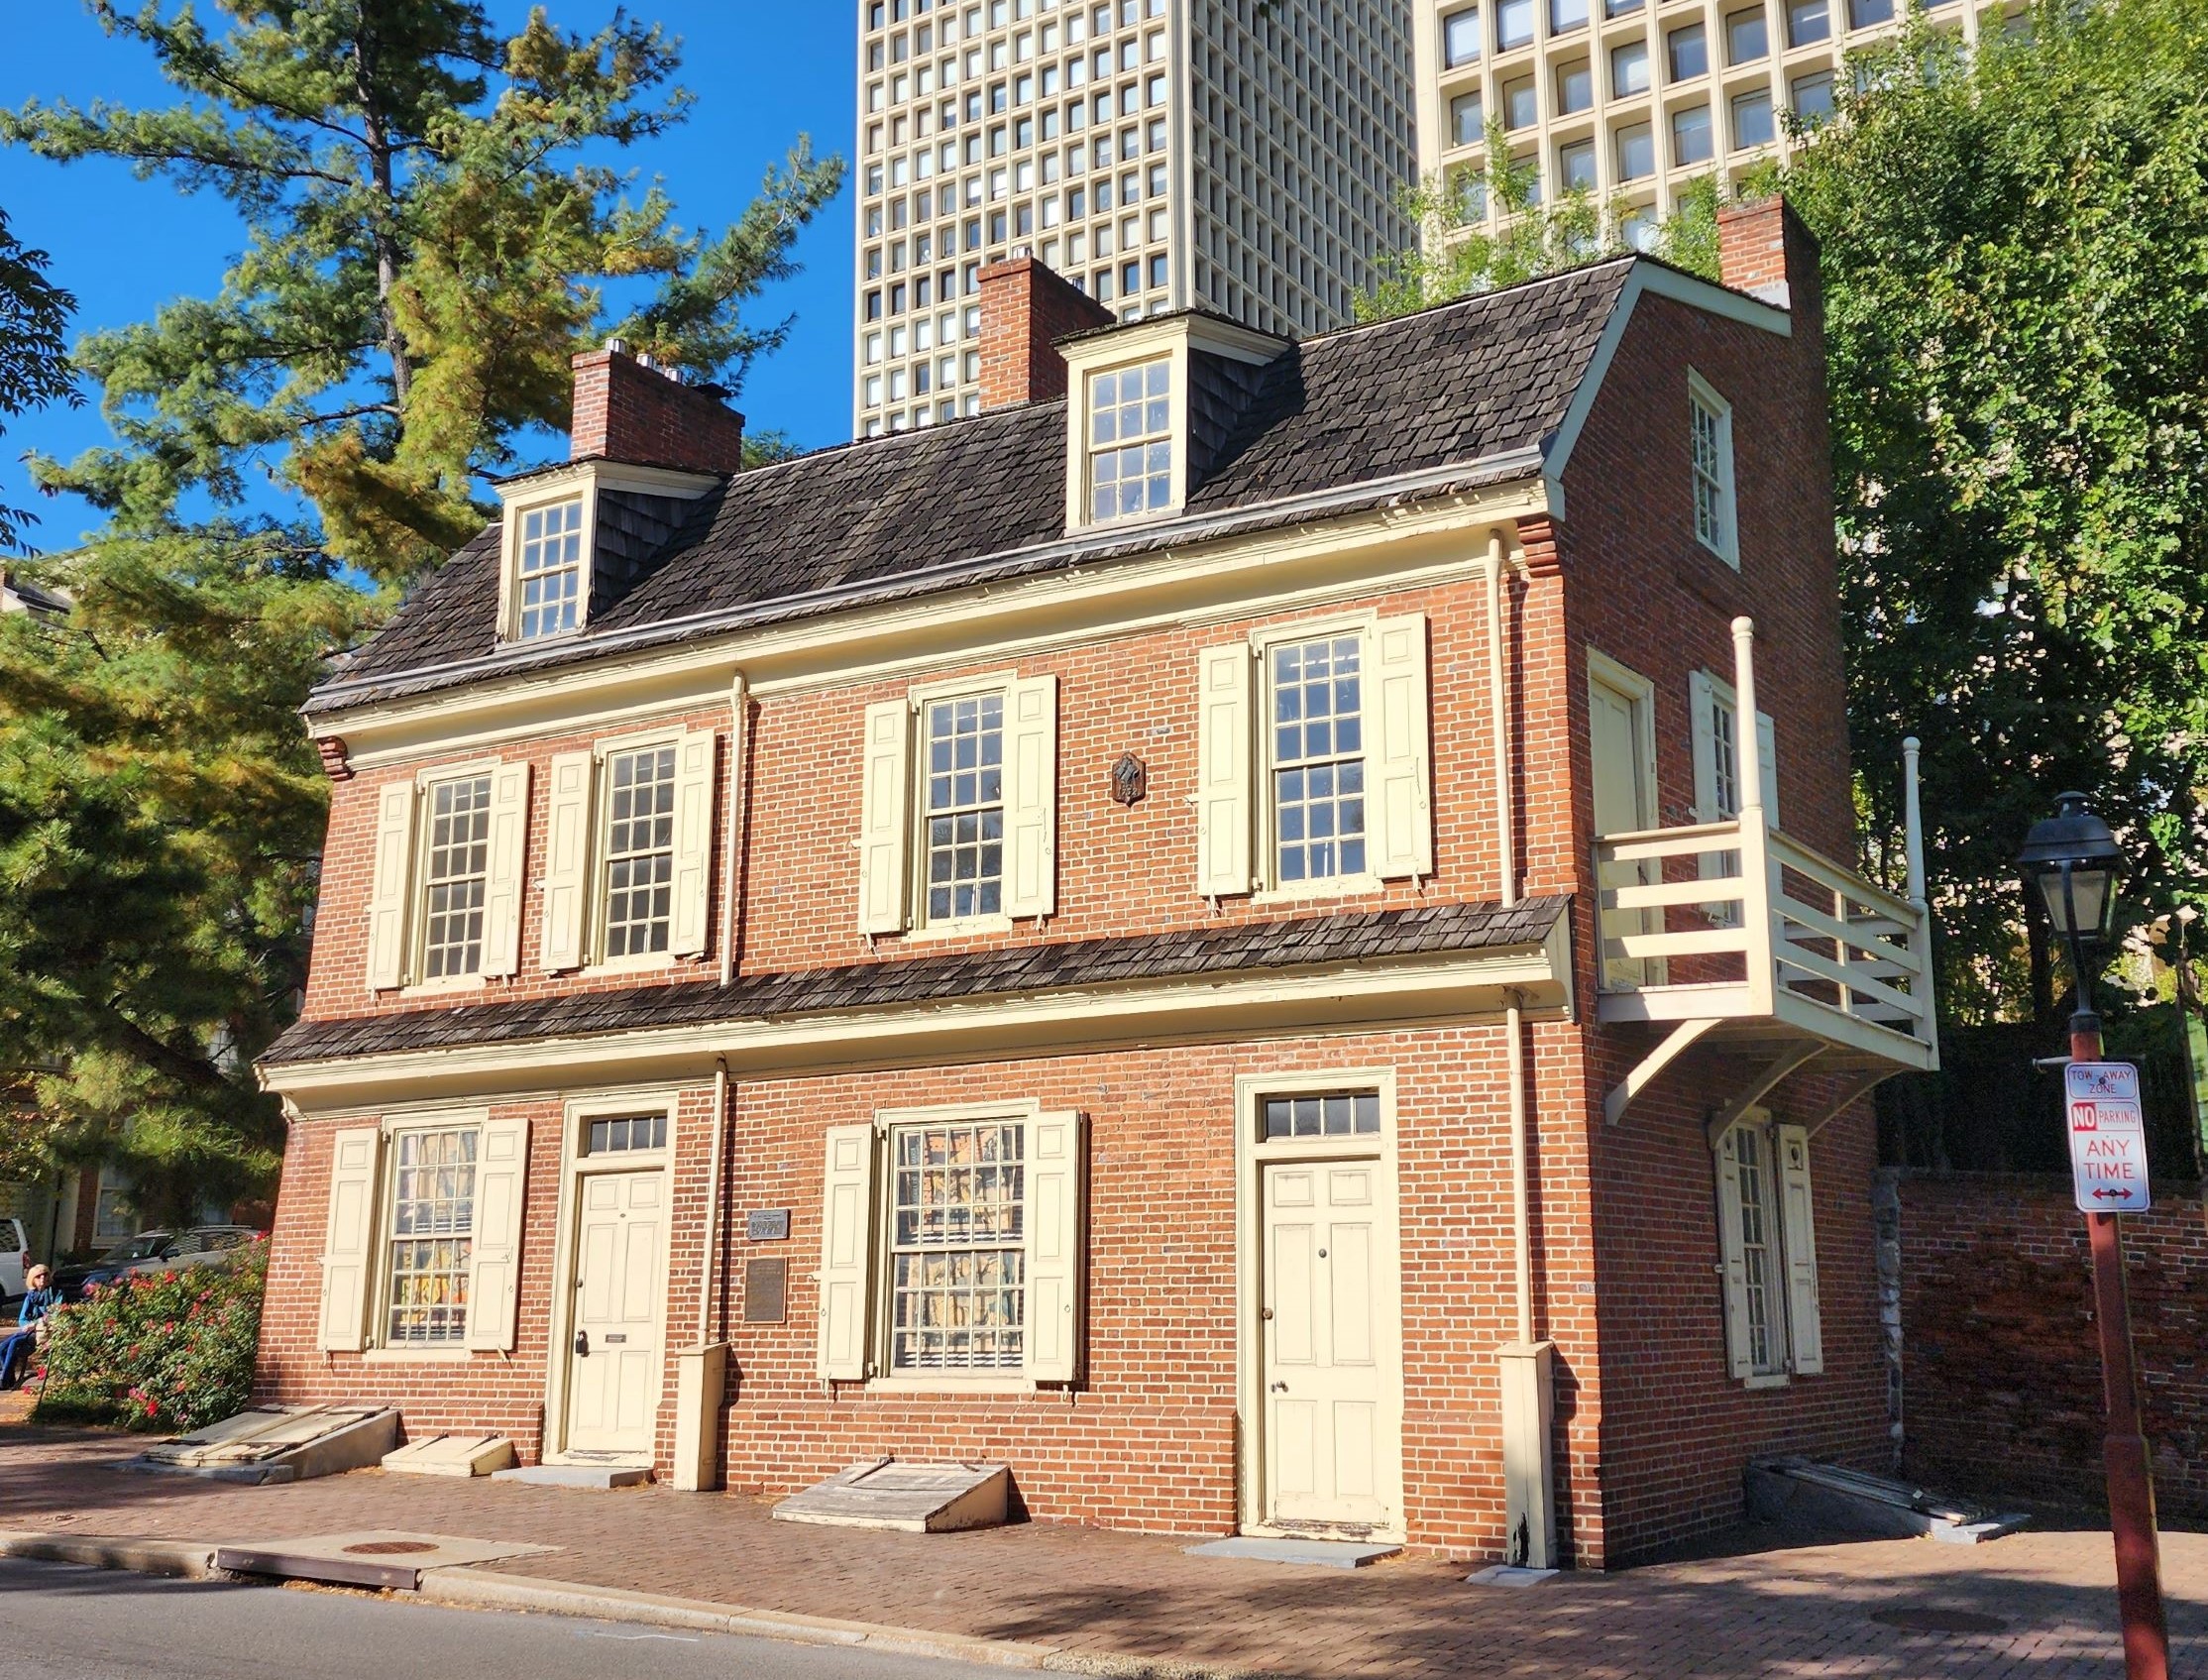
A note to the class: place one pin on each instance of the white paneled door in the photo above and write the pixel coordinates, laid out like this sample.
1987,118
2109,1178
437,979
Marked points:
613,1360
1332,1384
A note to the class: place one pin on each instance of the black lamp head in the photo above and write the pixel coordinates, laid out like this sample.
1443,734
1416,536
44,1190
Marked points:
2072,860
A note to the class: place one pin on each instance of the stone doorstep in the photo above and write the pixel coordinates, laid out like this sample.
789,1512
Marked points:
1323,1554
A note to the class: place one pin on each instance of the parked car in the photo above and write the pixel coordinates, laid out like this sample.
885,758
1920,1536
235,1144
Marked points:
14,1248
153,1251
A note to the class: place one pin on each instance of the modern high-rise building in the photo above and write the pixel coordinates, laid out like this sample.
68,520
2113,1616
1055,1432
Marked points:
1632,99
1160,153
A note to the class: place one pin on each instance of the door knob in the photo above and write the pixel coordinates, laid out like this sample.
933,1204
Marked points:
583,1343
1279,1388
1266,1316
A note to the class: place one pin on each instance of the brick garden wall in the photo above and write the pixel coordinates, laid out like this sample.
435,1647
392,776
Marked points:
2001,1376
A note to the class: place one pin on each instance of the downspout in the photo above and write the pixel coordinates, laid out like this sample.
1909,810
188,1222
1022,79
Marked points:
702,1370
740,780
1527,1367
711,1327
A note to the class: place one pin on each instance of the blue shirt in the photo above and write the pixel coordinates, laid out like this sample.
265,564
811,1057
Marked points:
36,1305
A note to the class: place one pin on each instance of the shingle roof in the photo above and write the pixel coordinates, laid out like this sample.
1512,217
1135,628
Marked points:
1302,942
1484,380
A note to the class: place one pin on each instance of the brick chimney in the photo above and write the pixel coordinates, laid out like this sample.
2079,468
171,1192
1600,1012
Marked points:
1024,306
629,410
1764,250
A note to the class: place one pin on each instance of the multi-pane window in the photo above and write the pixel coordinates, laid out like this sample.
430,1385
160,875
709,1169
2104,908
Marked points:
627,1132
433,1224
639,851
958,1247
1746,36
1130,449
1807,21
549,570
1338,1114
456,870
1690,135
964,809
1460,37
1713,472
1318,758
1752,124
1758,1258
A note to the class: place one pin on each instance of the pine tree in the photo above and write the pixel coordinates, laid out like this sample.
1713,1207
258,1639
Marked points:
34,355
432,231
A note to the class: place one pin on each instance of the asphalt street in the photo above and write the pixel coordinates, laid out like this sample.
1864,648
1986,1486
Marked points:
59,1621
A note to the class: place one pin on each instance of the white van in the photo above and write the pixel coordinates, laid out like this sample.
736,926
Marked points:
14,1249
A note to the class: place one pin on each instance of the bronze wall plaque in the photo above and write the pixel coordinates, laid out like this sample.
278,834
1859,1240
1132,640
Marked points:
765,1283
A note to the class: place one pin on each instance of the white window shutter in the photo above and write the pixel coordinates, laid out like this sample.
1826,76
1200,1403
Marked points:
509,863
349,1241
495,1258
1732,1263
884,823
1702,701
1225,777
1798,1213
390,886
847,1253
567,857
1767,750
694,755
1031,797
1398,800
1055,1172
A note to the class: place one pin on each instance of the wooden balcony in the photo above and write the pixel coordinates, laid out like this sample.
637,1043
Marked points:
1737,936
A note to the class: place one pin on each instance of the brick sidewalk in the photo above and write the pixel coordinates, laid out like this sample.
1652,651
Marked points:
1798,1612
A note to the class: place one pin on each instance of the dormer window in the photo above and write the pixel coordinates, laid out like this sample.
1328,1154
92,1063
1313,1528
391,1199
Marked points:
1131,440
549,570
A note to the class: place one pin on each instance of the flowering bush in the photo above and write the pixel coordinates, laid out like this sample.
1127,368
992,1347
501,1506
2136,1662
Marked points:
165,1351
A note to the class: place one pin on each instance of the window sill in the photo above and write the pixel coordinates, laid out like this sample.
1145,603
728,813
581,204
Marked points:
1769,1380
950,1385
967,927
416,1356
1333,886
651,962
443,986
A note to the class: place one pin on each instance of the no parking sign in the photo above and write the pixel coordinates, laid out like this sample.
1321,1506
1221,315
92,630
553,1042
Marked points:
2108,1137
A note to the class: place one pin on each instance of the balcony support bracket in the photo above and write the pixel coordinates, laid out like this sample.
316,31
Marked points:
1766,1079
1856,1088
1674,1044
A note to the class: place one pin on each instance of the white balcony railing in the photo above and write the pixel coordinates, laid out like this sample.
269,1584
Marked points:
1738,930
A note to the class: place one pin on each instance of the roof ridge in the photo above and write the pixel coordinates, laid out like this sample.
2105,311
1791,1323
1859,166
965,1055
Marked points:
1467,299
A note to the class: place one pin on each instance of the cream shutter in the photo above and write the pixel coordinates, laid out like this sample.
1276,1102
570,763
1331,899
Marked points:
1798,1214
567,857
1702,701
1767,750
884,825
1056,1159
349,1243
846,1252
495,1257
1030,797
508,866
692,886
1225,740
1398,807
390,886
1732,1265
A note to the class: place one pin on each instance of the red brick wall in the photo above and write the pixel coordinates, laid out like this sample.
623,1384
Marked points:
626,411
2001,1373
1636,584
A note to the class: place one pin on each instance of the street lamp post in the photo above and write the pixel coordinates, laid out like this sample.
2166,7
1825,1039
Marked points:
2072,861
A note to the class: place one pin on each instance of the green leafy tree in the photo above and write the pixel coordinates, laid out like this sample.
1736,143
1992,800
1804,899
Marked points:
432,228
2016,273
34,351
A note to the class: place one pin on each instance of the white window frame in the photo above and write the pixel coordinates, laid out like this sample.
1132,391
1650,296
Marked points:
997,686
535,499
1704,403
387,1231
1707,696
1628,973
418,977
1265,866
589,876
1793,1313
1174,437
879,1216
601,853
404,814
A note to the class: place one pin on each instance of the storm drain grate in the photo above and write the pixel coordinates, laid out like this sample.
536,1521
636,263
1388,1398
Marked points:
1932,1620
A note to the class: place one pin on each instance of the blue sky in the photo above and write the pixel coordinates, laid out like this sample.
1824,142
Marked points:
761,73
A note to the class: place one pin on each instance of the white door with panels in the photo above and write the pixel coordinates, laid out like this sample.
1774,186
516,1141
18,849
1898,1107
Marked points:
1329,1335
614,1370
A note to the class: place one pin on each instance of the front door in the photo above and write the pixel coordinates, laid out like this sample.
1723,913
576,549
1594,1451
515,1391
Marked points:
1332,1458
613,1364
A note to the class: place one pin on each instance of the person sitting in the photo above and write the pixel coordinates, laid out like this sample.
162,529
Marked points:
40,1299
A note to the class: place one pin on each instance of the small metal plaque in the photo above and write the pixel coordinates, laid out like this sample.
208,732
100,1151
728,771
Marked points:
770,1225
765,1281
618,1337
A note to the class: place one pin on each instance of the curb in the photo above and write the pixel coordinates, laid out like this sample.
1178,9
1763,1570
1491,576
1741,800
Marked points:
189,1560
468,1588
473,1588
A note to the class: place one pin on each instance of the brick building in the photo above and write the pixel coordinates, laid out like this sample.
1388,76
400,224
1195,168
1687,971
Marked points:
1216,941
